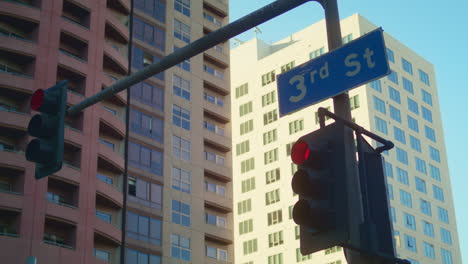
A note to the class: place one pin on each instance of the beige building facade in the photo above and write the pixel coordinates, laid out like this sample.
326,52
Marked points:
402,107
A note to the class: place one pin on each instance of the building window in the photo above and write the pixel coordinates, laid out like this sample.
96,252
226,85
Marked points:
424,77
425,207
275,239
445,236
148,94
212,19
216,253
245,108
181,180
393,77
155,8
434,172
182,6
272,176
434,153
215,188
268,78
148,33
396,238
381,125
393,215
410,243
379,105
246,226
410,221
394,113
271,156
402,176
405,199
420,184
102,255
248,185
402,156
145,193
376,85
388,169
275,217
268,98
242,90
180,213
399,135
316,53
250,246
141,59
415,143
413,124
429,250
443,215
134,256
428,228
213,127
390,191
430,133
212,219
242,147
185,65
212,70
300,257
408,85
270,117
244,206
420,165
269,136
213,99
394,94
181,148
407,67
181,31
413,106
181,117
296,126
354,102
247,165
180,247
146,125
149,160
438,193
426,97
246,127
287,67
390,55
272,197
426,114
181,87
347,38
446,256
144,228
276,259
213,157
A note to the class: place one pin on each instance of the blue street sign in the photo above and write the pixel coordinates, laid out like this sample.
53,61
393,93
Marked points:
358,62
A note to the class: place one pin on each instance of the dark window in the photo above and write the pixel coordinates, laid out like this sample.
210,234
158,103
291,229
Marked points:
154,8
145,193
149,126
146,159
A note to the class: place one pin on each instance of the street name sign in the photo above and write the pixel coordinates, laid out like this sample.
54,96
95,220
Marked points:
356,63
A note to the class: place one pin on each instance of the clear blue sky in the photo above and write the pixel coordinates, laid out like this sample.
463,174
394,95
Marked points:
436,30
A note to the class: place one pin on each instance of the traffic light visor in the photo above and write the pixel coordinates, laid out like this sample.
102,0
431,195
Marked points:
37,99
300,152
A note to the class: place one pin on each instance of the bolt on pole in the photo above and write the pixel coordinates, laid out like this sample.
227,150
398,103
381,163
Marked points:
221,35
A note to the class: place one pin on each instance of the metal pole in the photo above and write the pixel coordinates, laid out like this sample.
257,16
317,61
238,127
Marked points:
342,109
221,35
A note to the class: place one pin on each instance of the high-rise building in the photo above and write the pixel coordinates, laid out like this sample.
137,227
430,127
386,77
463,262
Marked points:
402,107
173,200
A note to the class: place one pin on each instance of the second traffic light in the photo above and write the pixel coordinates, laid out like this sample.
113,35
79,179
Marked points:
322,210
46,150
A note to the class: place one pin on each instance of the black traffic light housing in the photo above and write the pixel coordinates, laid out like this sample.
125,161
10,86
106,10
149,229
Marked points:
322,210
46,150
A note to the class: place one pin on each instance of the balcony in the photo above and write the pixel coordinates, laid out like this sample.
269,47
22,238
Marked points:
217,56
108,218
217,7
9,223
111,192
220,203
17,64
11,180
59,233
106,250
118,22
62,193
14,119
76,14
111,157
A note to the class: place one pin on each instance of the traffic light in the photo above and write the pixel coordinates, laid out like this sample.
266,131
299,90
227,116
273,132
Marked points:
321,182
46,150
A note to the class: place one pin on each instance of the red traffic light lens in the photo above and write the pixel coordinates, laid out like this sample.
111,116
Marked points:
37,99
300,152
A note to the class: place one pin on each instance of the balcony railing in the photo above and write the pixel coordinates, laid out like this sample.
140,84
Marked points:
71,55
54,198
55,243
7,108
74,22
6,69
20,3
9,233
14,36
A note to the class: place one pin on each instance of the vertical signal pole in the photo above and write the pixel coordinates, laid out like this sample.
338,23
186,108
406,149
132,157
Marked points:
342,108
